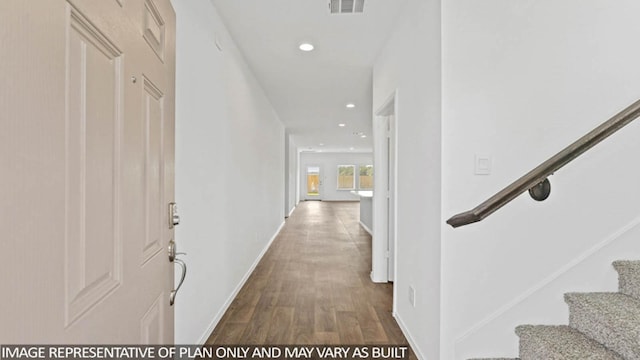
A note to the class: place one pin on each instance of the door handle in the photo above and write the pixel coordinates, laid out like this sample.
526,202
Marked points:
172,295
172,250
173,257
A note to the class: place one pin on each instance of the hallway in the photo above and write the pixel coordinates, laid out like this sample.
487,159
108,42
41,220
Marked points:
313,287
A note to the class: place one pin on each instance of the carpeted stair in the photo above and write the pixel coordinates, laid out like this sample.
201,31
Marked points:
602,326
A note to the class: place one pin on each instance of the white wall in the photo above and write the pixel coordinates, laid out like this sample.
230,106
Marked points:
329,162
521,80
410,63
229,169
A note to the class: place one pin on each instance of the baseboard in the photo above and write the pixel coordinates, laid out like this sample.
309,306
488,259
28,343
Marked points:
548,280
292,210
366,228
235,292
408,336
382,280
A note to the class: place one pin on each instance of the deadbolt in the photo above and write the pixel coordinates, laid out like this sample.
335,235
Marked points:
174,218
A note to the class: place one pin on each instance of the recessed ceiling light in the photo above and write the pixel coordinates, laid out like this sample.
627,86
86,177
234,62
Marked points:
363,136
351,106
306,47
321,144
342,125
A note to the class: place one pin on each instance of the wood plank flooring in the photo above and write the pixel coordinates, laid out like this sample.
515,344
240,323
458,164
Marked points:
313,287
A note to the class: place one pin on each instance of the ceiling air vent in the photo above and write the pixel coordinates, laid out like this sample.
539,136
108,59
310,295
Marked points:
346,6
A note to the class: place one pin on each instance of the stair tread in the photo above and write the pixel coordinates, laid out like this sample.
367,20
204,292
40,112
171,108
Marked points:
622,309
603,325
612,319
566,343
627,263
628,277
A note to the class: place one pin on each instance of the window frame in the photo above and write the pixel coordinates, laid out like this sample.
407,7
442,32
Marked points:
359,182
353,185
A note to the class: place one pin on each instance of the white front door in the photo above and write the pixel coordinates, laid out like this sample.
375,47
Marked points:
87,170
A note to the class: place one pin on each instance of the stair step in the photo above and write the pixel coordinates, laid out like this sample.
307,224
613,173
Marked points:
628,277
612,319
560,343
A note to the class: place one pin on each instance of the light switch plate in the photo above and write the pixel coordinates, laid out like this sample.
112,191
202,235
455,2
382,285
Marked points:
412,296
483,164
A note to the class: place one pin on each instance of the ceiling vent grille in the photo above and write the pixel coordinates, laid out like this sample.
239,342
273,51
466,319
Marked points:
346,6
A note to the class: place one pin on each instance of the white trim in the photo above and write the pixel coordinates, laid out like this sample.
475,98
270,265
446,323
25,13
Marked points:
353,186
359,187
298,177
366,228
388,106
305,175
291,212
225,306
378,280
548,280
379,246
380,242
408,336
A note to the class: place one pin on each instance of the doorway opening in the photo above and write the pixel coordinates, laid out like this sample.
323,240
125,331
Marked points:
384,195
314,183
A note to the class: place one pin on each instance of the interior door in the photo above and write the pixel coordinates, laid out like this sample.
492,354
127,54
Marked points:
391,208
313,179
87,163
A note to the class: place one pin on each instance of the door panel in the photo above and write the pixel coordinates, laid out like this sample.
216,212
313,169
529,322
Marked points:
92,237
152,324
153,104
87,162
154,28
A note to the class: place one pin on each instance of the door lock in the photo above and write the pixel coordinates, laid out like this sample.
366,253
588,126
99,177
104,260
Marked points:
174,218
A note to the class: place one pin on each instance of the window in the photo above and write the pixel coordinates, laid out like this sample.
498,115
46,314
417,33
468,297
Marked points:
346,177
366,177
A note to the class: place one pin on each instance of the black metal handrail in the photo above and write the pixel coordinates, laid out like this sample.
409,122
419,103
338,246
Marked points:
536,179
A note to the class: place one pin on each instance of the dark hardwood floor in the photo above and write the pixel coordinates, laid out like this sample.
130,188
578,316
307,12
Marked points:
313,286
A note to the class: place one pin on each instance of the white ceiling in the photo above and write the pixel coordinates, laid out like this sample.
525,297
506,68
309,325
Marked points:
310,90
